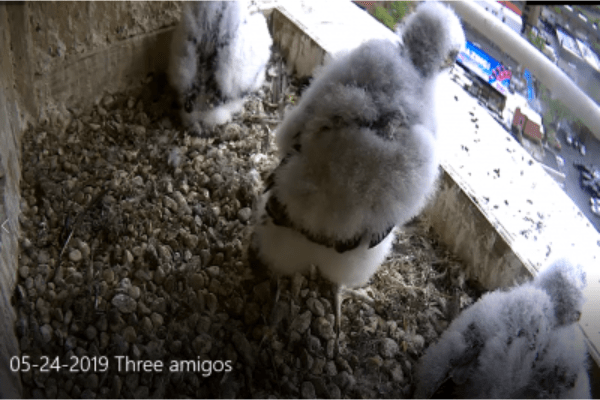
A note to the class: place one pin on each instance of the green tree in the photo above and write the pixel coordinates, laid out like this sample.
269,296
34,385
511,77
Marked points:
536,41
382,15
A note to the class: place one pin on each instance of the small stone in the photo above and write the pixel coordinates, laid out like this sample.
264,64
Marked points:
243,347
298,281
135,292
388,348
128,257
334,391
24,271
129,334
211,302
417,343
202,344
321,389
142,392
244,214
307,390
323,328
75,255
43,257
91,332
306,359
108,275
85,249
115,389
146,325
159,275
46,333
344,380
197,281
251,313
170,203
213,271
302,322
313,344
157,320
396,374
330,368
124,303
91,382
262,292
316,307
138,130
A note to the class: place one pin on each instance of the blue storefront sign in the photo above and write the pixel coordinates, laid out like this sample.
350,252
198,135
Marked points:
486,67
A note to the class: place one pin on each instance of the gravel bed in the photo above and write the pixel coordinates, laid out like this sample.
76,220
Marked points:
134,244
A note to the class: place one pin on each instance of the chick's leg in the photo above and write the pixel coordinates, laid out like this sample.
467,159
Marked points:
340,294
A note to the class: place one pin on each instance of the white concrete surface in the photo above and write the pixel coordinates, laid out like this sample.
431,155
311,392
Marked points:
316,30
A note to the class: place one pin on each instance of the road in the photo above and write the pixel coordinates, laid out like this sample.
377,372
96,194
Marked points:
572,186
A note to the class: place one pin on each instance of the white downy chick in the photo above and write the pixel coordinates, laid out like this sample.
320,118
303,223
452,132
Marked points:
358,155
521,343
218,56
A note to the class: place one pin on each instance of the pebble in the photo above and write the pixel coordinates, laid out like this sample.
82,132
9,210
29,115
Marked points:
197,281
202,344
388,348
243,347
24,271
244,214
344,380
307,390
157,320
321,389
108,275
46,333
43,257
323,328
75,255
316,307
91,332
85,249
135,292
146,324
213,271
396,374
302,322
124,303
91,382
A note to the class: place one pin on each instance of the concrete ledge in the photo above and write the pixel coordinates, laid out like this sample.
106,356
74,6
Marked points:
80,82
10,173
308,32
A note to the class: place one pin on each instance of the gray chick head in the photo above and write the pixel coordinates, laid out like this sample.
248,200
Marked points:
564,283
433,37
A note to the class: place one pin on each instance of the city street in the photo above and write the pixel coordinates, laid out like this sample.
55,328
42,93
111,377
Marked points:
572,187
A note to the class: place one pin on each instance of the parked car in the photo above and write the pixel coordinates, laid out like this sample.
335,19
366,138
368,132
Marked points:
595,206
569,138
589,179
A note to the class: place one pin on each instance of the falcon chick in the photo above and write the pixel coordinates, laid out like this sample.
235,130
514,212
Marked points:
358,155
523,343
218,56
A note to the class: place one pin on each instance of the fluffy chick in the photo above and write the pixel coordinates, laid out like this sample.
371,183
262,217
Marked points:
518,344
218,56
358,155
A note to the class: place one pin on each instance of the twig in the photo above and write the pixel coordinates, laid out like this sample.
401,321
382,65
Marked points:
93,202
